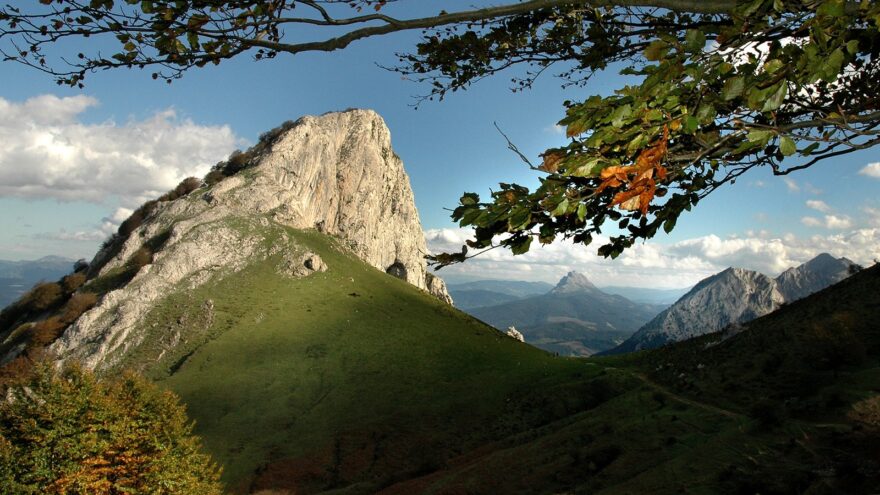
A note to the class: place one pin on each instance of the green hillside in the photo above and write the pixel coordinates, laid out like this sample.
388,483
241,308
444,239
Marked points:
352,381
342,364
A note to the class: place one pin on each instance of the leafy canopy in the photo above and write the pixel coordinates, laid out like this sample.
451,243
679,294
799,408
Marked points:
719,87
70,433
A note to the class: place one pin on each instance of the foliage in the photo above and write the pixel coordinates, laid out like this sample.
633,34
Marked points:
43,296
70,433
719,87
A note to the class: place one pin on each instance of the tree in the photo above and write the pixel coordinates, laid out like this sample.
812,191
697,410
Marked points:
719,87
70,433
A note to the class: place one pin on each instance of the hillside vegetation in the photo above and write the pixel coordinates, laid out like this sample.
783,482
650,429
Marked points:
352,381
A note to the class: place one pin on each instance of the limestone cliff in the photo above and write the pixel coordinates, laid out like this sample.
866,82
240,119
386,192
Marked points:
336,173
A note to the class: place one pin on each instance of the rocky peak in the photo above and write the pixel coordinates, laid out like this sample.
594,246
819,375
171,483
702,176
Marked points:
814,275
336,173
574,282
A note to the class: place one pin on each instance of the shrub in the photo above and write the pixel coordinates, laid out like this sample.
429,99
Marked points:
119,437
43,296
213,177
45,332
142,257
77,305
73,281
866,413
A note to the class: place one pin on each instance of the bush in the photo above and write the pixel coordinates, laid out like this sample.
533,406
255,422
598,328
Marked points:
866,414
142,257
73,281
45,332
43,296
77,305
122,436
213,177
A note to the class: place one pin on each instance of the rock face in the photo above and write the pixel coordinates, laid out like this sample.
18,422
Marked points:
516,334
813,276
335,173
574,282
733,297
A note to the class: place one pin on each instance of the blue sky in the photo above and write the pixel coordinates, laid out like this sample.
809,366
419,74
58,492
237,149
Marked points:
448,147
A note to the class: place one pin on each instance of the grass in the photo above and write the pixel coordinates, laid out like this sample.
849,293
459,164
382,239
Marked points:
290,367
352,381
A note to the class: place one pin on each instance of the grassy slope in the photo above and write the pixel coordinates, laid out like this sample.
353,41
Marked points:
351,381
765,411
292,366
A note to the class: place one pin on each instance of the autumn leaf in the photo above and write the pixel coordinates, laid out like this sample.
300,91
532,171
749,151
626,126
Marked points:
551,162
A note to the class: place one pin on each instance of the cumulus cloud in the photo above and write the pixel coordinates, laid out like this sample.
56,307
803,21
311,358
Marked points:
818,205
834,222
46,151
657,265
791,184
871,170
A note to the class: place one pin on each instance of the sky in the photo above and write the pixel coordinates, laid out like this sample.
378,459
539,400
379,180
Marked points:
73,163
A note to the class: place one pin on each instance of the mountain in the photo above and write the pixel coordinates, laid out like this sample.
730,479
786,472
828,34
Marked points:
574,318
469,295
335,173
813,276
16,277
788,405
735,296
310,367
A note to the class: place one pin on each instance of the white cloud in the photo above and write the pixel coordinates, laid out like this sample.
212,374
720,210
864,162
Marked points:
555,129
791,184
46,151
871,170
653,264
837,222
834,222
811,221
818,205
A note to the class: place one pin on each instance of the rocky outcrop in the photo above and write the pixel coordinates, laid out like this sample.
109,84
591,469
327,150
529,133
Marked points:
733,297
574,282
516,334
336,173
814,275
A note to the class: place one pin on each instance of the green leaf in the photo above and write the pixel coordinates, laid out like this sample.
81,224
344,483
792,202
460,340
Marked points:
831,8
733,88
582,212
691,124
519,218
561,208
656,50
777,98
760,136
773,65
809,149
787,146
669,224
521,245
852,47
469,199
694,40
620,114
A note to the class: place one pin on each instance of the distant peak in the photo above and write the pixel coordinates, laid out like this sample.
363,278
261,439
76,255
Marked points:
574,281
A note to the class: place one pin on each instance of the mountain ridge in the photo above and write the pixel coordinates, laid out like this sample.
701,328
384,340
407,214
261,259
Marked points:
734,296
336,173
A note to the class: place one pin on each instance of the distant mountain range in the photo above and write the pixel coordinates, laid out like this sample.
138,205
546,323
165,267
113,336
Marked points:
735,296
16,277
481,293
574,318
